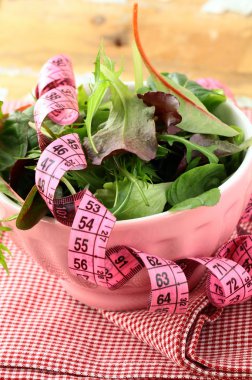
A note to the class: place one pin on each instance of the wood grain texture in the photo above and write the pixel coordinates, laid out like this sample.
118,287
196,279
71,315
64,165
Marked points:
176,34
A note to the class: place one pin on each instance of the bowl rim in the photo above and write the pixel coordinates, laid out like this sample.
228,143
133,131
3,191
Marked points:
247,128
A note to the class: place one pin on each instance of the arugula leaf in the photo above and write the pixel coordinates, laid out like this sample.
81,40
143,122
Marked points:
208,198
115,195
130,126
3,248
195,182
138,68
3,251
134,207
82,98
162,152
1,112
94,101
92,177
190,147
195,117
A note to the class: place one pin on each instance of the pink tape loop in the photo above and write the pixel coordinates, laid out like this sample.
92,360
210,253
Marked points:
56,95
56,71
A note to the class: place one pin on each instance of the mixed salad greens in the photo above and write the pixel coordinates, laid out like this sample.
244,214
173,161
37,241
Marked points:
150,147
148,151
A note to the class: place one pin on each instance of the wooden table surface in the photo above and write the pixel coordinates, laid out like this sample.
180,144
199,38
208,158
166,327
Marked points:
176,34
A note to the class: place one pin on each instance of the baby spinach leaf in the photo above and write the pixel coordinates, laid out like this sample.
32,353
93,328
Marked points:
13,139
195,182
210,98
190,147
134,207
33,209
195,117
208,198
178,78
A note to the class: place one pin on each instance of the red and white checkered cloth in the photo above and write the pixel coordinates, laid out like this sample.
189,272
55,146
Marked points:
45,334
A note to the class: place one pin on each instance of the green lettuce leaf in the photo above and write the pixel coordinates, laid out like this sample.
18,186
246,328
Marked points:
13,139
209,198
33,209
210,98
190,147
195,182
134,206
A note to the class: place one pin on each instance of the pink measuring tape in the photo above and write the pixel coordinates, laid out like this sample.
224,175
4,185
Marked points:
229,278
56,95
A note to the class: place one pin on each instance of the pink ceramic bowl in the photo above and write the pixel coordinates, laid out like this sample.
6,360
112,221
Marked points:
190,233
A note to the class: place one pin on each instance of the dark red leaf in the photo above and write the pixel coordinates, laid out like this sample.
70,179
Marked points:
223,148
166,109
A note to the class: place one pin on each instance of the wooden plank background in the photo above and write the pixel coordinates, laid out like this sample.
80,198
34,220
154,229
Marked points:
176,34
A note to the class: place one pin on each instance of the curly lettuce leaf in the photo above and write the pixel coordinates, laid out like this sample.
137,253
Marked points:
130,126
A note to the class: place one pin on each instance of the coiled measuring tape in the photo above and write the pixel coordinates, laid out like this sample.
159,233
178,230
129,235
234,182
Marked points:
56,94
229,278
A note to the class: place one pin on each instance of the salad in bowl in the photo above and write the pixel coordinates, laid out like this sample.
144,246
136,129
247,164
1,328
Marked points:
168,158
